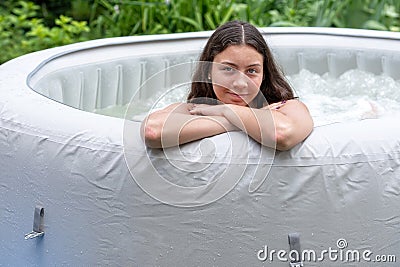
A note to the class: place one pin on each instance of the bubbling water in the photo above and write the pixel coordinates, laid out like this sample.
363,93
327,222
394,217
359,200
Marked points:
354,95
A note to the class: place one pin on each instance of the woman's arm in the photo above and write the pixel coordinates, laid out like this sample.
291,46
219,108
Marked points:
281,128
175,125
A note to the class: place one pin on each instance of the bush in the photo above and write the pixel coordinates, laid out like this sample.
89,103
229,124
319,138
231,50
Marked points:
22,32
116,17
29,27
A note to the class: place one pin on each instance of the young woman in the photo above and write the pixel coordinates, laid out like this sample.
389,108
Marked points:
237,72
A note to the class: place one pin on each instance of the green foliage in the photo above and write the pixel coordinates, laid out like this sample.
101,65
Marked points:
27,27
125,17
22,32
154,17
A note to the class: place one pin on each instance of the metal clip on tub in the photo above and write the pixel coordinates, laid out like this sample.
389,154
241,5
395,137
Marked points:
37,224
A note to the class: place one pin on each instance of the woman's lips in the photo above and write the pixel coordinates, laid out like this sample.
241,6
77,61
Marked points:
241,96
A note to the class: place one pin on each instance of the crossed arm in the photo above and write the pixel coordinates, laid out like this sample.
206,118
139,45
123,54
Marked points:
280,126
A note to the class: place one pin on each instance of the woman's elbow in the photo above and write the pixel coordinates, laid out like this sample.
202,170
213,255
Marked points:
284,140
151,134
280,138
288,137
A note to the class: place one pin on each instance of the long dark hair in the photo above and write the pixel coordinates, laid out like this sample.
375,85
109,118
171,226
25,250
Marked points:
274,87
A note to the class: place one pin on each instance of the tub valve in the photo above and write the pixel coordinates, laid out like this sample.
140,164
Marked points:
37,224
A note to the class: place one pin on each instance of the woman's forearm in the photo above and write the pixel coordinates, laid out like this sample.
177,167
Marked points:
258,124
281,129
166,129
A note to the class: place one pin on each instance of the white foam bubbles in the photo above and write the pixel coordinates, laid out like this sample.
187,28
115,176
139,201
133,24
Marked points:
354,95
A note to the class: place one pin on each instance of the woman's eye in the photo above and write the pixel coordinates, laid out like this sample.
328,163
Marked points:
252,71
228,69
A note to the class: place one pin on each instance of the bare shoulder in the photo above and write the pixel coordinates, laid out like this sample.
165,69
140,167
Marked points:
175,107
297,112
294,109
293,104
287,106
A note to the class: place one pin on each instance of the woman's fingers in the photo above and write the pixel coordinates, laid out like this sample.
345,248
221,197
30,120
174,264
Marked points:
276,105
207,110
195,110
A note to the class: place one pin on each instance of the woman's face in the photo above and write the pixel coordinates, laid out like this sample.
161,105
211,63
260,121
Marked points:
237,74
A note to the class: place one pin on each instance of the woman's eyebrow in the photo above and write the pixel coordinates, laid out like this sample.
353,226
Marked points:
254,65
228,63
234,65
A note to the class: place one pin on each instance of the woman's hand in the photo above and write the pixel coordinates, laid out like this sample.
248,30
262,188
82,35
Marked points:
276,105
207,110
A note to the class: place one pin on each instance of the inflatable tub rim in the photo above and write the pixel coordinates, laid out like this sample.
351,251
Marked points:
93,128
112,41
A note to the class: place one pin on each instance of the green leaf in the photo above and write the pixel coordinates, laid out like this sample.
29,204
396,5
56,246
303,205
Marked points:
190,21
209,21
283,24
227,15
374,25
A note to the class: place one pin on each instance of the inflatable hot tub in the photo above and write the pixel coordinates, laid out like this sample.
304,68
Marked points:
74,167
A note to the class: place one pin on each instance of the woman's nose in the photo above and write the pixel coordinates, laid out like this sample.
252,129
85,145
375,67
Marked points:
240,81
